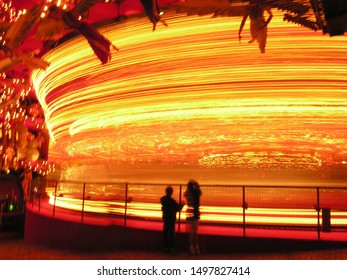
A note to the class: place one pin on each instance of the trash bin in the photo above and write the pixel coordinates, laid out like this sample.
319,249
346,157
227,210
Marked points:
326,226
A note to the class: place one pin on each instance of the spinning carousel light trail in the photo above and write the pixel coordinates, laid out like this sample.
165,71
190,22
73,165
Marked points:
192,95
210,214
266,206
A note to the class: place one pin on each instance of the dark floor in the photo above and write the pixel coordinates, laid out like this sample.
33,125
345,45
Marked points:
13,247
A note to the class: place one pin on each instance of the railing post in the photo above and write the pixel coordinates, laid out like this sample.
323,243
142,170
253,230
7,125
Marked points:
39,201
55,196
41,187
126,204
244,210
179,213
84,193
31,195
318,213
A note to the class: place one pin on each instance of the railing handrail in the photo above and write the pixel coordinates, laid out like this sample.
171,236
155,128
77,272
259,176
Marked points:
315,191
296,186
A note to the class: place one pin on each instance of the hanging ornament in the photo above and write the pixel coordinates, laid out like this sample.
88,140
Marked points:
152,11
61,21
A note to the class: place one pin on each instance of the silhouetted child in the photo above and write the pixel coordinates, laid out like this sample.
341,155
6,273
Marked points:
169,207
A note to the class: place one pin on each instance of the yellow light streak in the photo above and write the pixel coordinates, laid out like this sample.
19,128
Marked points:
209,214
192,95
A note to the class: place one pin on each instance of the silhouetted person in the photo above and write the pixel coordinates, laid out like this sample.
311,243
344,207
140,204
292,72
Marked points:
192,195
169,208
258,24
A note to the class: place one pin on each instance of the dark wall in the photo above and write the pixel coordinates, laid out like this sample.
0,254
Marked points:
11,185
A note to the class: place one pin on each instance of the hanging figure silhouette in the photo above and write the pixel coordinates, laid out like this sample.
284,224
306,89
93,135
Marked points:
152,10
258,26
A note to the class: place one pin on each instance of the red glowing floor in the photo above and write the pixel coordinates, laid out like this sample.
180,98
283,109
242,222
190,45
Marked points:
47,211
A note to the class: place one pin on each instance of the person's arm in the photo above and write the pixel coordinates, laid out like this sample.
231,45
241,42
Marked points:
181,206
270,16
178,207
245,16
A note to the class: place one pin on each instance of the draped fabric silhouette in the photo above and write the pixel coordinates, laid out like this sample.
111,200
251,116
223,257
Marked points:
152,11
100,45
258,24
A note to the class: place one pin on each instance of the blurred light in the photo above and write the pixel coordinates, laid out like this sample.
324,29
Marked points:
190,95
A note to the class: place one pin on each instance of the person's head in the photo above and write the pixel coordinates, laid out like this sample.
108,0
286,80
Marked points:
193,186
169,190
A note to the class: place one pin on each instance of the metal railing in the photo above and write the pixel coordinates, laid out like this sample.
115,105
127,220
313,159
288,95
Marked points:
320,209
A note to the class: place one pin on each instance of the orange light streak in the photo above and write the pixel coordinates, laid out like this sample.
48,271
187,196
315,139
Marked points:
191,95
210,214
